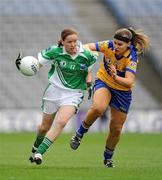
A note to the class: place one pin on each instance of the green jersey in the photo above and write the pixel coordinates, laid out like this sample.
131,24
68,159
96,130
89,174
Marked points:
66,70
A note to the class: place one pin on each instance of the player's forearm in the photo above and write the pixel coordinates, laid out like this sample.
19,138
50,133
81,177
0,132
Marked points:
90,46
127,82
89,79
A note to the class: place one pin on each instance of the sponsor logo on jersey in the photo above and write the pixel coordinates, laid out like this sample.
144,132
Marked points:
133,66
116,64
133,63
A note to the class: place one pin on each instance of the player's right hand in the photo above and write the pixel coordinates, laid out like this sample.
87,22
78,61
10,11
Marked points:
17,62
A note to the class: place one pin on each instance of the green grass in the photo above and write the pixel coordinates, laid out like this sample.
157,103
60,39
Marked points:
137,157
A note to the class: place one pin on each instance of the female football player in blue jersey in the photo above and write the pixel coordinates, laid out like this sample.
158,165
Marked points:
68,77
114,81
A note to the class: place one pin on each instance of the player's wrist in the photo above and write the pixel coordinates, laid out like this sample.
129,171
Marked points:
114,76
89,84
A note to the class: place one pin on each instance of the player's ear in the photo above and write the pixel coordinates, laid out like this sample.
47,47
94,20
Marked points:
128,44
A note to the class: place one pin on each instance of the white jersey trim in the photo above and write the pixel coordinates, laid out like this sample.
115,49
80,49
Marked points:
42,60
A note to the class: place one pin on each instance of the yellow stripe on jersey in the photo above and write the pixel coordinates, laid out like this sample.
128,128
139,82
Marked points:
128,62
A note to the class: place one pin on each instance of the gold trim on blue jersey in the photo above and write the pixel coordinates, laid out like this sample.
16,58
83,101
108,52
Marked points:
127,62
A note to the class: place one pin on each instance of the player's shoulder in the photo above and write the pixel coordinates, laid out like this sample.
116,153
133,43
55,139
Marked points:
54,48
133,56
51,52
106,44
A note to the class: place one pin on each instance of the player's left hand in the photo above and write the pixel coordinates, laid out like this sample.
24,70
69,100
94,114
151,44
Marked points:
18,61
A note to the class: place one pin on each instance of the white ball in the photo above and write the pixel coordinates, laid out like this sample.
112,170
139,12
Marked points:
29,65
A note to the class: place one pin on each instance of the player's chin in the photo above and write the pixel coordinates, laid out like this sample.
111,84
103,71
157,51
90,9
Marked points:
117,51
73,51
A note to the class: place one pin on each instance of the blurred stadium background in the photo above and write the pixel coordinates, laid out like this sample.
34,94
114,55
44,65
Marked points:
30,26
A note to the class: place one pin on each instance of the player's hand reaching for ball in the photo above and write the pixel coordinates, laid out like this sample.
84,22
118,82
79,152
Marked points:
17,62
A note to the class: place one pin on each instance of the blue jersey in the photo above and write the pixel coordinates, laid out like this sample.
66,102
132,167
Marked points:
128,62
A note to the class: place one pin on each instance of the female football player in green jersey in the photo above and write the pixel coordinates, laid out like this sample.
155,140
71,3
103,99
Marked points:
68,77
115,78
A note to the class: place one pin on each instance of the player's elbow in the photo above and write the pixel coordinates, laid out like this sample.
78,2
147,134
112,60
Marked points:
130,84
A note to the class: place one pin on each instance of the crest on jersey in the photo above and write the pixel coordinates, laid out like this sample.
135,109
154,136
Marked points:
108,60
62,63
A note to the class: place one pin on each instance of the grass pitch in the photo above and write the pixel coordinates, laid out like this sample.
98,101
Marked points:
137,157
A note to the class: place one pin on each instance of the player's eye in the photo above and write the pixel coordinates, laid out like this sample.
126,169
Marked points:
119,44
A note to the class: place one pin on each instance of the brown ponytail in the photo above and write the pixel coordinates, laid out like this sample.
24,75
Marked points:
60,43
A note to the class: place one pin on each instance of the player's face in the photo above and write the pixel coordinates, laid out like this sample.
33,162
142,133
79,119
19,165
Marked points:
120,47
70,44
